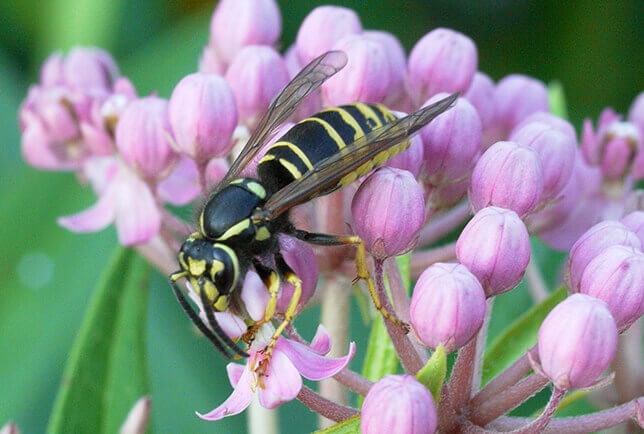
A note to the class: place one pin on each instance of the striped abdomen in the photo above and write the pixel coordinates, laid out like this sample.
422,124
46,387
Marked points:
314,139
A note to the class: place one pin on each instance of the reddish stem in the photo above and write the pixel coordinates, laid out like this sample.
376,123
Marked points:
325,407
441,225
420,260
460,382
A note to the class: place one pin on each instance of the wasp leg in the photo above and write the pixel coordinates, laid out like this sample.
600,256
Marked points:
194,317
290,276
361,265
272,282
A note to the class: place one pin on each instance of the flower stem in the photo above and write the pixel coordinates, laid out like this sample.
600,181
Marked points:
261,420
592,422
420,260
505,401
509,377
536,285
460,382
409,357
201,167
175,224
325,407
444,224
481,338
335,317
353,381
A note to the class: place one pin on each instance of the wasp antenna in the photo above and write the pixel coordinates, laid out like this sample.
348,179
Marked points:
216,328
197,321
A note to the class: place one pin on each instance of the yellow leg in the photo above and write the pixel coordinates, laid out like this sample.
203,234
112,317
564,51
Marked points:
288,317
363,274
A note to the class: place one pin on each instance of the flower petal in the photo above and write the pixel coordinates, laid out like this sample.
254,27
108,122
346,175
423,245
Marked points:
255,296
321,342
97,140
312,365
237,401
138,218
182,185
282,382
235,371
100,171
231,324
94,218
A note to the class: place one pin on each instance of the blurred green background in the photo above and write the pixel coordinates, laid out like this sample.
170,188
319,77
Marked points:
593,48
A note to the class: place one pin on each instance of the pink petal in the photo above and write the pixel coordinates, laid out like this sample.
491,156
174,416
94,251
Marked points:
182,185
255,296
282,382
138,218
321,342
97,140
232,325
100,171
312,365
94,218
38,149
237,402
235,371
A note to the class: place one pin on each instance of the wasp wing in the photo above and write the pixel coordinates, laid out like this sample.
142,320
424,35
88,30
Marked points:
328,175
303,84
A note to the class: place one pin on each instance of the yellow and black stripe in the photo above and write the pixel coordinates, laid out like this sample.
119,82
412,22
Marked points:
315,139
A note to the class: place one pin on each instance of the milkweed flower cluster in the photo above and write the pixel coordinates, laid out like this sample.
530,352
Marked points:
498,154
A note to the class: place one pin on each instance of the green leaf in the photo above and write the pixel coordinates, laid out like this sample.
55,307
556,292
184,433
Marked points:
434,372
349,426
567,401
518,337
557,99
106,370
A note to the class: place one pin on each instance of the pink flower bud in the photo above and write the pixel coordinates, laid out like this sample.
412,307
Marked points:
452,142
142,137
481,94
203,116
216,170
441,61
300,257
238,23
556,152
596,239
447,306
210,61
397,65
388,211
447,195
577,342
635,222
553,121
616,276
636,113
619,145
515,98
51,73
398,403
322,28
410,159
256,75
365,78
89,68
508,175
495,247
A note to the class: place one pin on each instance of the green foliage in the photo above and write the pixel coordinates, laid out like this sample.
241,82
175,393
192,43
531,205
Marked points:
349,426
434,372
518,337
106,370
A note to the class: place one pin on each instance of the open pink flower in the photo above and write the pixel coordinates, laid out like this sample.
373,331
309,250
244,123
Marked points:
282,381
123,199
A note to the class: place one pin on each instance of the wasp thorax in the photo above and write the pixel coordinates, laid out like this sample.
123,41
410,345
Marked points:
211,267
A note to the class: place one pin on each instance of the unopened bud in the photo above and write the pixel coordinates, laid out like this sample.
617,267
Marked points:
447,306
441,61
508,175
398,403
577,342
388,211
495,247
515,98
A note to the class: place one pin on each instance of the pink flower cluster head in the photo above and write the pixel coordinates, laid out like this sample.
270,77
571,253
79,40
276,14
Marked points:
61,120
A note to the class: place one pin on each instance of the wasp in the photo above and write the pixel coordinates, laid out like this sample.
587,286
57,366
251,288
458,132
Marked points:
242,216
